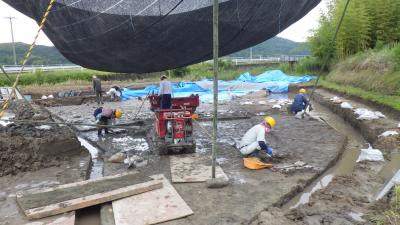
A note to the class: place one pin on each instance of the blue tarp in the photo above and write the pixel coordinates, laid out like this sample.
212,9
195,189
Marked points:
274,80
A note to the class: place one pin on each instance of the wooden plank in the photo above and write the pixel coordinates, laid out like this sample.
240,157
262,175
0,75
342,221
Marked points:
64,219
78,190
152,207
192,168
91,200
75,184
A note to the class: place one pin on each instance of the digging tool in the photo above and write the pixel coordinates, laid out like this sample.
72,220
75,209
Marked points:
141,105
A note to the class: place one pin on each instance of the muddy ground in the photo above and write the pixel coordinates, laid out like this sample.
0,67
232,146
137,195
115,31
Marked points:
346,193
310,141
345,188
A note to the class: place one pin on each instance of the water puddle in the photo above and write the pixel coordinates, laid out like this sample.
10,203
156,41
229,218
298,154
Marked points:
391,167
344,166
6,116
388,185
131,144
96,169
305,197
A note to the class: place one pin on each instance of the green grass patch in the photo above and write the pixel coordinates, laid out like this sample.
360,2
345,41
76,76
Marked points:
392,101
391,216
53,77
374,70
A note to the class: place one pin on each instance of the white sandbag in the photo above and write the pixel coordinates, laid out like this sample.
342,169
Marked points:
388,133
50,97
246,103
336,99
365,114
370,154
346,105
262,102
44,97
299,115
276,106
379,114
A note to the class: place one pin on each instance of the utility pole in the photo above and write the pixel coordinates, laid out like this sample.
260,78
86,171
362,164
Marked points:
12,37
215,89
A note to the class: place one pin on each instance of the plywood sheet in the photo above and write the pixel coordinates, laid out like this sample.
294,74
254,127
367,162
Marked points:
192,168
152,207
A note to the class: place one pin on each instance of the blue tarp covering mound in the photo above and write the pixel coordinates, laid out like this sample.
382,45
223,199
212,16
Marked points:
274,80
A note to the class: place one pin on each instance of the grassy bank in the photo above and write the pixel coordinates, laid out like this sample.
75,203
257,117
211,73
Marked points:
392,214
373,70
373,75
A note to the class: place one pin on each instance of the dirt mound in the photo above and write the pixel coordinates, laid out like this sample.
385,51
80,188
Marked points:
26,147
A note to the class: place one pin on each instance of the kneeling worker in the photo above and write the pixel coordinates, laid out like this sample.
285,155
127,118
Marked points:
253,143
106,116
300,102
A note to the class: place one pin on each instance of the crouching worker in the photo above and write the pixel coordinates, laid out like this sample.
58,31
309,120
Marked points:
115,93
106,116
253,143
300,102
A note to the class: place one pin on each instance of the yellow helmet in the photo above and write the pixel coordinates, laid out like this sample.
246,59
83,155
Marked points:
118,113
271,121
302,91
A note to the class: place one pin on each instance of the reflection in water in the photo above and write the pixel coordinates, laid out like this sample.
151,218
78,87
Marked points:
96,170
305,197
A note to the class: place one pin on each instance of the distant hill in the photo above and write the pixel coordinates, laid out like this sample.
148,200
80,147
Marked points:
41,55
44,55
275,46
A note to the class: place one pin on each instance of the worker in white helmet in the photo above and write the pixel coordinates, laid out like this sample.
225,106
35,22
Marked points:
253,142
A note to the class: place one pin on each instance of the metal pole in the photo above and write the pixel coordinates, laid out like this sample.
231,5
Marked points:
215,89
12,38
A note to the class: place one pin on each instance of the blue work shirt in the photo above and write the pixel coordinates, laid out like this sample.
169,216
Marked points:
300,102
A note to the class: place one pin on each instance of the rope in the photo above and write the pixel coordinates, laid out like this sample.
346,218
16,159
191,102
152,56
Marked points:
27,56
326,58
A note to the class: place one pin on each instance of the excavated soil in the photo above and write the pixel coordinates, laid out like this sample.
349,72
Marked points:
29,147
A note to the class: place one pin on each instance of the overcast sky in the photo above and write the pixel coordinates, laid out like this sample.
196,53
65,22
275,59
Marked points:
26,28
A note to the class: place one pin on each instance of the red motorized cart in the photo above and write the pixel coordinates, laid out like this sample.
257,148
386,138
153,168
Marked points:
173,127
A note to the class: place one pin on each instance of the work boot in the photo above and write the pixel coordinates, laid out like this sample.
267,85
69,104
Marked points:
264,157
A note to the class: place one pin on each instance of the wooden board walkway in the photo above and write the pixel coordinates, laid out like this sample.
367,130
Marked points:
152,207
69,197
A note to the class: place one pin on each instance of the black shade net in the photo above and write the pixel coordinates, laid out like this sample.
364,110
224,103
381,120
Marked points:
155,35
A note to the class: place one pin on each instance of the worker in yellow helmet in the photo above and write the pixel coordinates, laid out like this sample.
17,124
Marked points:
106,116
300,102
253,143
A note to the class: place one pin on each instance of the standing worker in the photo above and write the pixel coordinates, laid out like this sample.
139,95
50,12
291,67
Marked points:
106,116
97,90
300,102
165,93
253,143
